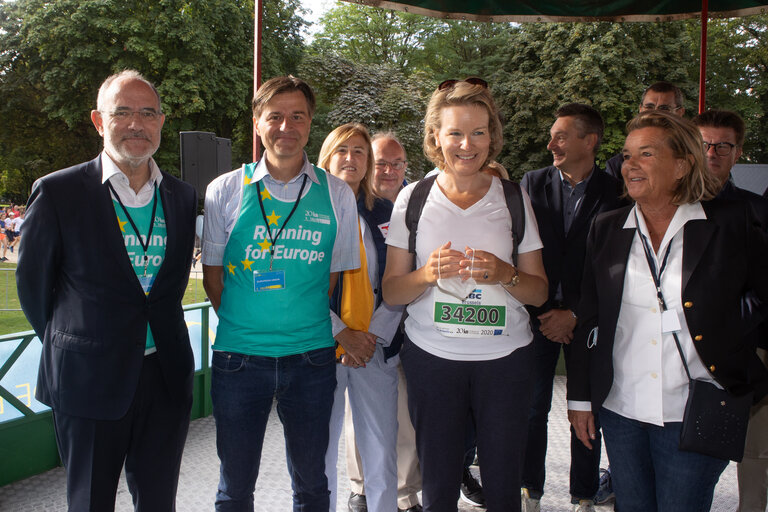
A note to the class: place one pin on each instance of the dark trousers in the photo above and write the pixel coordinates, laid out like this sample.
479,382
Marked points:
442,394
585,463
149,440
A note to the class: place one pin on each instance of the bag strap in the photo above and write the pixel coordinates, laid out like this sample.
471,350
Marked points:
657,281
415,207
514,199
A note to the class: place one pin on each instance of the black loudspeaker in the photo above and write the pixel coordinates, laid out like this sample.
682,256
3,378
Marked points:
204,156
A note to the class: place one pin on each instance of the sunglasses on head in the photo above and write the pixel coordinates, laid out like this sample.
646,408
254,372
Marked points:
473,80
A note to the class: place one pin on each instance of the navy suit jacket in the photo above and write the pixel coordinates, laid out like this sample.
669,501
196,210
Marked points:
80,293
723,257
563,255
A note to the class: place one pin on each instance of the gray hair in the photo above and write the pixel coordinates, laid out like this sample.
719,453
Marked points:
126,74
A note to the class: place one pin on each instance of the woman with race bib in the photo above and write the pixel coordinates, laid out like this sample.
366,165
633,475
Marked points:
467,352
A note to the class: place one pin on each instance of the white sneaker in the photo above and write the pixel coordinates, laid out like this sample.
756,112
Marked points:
528,504
584,506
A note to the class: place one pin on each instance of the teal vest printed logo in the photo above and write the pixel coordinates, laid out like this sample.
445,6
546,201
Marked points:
133,244
283,310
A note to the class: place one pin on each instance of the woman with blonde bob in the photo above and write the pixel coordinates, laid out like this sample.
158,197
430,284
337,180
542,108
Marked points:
663,283
364,327
467,352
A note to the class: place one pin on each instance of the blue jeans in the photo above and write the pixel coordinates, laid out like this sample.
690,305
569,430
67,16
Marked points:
242,390
585,463
649,472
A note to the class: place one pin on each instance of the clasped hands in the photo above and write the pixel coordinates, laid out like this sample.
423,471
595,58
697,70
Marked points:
359,347
444,263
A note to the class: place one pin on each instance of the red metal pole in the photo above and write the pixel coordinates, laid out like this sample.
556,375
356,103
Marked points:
258,20
703,56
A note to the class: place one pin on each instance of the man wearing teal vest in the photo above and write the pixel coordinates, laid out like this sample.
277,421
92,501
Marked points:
276,234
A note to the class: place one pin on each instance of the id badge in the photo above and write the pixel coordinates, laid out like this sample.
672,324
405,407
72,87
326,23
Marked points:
270,280
670,322
146,283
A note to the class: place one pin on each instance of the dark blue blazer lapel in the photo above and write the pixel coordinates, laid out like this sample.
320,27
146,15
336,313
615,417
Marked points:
697,235
554,194
106,222
592,197
171,223
619,243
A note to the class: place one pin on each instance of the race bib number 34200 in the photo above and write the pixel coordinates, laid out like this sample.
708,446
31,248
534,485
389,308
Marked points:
471,318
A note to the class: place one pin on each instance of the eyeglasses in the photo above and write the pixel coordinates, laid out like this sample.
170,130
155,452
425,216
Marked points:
721,148
124,114
663,108
395,166
473,80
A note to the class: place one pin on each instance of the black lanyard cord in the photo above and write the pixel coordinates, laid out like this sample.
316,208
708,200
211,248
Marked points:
144,243
657,282
274,239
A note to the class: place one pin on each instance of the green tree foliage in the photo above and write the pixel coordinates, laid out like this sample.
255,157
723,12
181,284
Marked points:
378,95
606,65
370,35
199,54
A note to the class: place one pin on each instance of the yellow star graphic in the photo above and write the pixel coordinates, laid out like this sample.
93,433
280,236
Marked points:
231,268
265,245
246,264
273,218
246,180
265,194
122,223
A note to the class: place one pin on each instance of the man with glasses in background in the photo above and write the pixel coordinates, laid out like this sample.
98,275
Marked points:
723,134
103,267
663,96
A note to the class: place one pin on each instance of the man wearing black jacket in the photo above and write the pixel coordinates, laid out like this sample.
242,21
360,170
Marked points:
565,197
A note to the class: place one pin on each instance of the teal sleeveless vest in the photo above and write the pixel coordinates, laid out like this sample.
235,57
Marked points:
156,253
290,317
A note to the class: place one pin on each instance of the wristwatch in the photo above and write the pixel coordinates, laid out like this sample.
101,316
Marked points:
515,279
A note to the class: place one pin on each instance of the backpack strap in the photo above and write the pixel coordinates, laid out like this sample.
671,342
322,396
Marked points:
516,207
415,207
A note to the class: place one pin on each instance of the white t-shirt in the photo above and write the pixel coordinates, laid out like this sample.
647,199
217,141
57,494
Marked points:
487,226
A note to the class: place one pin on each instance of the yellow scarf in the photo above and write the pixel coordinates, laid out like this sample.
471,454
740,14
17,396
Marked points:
357,300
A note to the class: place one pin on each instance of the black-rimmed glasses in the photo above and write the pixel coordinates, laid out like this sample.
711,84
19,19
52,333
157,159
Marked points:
721,148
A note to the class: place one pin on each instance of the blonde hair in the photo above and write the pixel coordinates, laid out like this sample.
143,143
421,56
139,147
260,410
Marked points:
684,139
496,169
460,94
339,136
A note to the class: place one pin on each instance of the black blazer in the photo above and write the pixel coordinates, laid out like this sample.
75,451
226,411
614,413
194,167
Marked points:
81,295
563,255
723,257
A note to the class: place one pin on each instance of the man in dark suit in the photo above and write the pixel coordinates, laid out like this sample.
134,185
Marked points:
103,266
565,197
723,134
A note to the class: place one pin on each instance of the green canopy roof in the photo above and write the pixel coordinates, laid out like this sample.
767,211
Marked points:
570,10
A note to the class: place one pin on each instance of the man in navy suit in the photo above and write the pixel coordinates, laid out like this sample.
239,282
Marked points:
565,197
103,266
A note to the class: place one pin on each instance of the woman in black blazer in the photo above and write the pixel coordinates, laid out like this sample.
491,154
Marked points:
707,254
